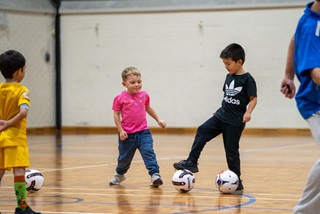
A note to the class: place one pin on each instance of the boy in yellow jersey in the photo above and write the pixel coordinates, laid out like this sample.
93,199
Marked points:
14,105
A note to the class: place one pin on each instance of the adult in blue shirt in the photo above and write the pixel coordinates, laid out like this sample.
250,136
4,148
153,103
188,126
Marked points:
303,60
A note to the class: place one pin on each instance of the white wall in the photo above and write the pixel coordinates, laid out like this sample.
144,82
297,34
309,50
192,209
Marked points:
30,34
178,55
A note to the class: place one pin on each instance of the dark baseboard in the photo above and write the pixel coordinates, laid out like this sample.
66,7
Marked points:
182,130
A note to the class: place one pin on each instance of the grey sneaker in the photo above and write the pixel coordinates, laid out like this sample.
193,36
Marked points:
156,180
117,179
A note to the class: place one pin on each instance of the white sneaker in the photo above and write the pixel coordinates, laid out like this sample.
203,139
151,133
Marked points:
117,179
156,180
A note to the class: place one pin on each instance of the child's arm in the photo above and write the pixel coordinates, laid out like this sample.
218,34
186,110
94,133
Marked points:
154,115
4,124
122,134
252,104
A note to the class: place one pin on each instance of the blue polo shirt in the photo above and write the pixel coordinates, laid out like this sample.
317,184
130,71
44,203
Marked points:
307,57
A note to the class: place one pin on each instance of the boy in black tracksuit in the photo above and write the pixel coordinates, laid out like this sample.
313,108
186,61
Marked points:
240,98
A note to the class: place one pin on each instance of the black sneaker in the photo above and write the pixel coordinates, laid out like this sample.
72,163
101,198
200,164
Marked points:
186,164
27,211
240,186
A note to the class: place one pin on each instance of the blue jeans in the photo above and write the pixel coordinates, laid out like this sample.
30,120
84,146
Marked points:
144,143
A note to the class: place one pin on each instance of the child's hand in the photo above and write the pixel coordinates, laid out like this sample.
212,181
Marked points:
123,135
3,125
162,124
246,117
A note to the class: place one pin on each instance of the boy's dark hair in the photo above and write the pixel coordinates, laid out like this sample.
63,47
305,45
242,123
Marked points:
233,51
10,62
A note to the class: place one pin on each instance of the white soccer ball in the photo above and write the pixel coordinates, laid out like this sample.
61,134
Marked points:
227,181
34,180
183,180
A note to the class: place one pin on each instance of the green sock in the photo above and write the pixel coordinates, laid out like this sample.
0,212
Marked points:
21,192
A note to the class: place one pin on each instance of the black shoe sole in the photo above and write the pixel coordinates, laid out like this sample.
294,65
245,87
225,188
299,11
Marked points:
191,169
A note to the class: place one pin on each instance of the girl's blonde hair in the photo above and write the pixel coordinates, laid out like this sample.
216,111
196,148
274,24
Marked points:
130,71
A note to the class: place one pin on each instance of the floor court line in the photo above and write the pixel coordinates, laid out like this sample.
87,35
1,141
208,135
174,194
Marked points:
92,166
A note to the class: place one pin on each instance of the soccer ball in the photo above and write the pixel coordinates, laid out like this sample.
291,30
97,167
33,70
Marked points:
34,180
227,181
183,180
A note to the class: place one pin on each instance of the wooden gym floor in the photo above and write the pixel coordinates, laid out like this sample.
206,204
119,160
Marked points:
77,169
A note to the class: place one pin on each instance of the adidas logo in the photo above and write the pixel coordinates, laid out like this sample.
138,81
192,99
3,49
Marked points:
231,91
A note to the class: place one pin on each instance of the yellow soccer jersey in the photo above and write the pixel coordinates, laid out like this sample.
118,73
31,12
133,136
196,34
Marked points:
12,95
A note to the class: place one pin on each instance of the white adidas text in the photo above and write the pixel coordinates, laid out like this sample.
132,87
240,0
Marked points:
231,100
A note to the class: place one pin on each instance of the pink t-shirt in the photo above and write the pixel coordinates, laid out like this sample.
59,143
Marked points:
133,110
